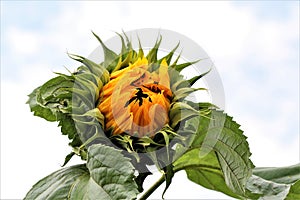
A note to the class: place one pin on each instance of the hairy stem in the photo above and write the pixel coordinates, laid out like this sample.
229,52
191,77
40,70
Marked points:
153,188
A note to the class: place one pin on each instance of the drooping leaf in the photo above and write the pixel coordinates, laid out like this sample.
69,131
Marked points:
53,102
258,187
58,184
286,175
38,109
50,98
274,183
111,171
67,125
107,175
217,132
205,171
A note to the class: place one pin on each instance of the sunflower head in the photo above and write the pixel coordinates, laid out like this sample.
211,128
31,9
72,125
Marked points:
136,100
131,100
143,102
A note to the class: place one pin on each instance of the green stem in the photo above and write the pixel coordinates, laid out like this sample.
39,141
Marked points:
153,188
91,139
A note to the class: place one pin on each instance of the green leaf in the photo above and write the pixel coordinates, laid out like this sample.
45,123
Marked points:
107,175
258,187
205,171
50,98
38,109
57,185
294,192
274,183
219,133
287,175
67,125
112,172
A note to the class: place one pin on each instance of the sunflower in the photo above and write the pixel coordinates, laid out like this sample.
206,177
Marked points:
131,100
136,101
143,103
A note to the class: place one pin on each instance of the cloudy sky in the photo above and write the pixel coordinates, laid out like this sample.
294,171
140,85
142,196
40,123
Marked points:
254,45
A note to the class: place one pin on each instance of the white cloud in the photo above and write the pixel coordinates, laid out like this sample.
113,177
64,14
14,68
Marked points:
22,41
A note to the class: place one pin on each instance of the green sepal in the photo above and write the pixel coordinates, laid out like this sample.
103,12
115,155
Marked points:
169,174
180,112
182,93
196,78
68,158
141,52
140,180
169,56
110,57
182,66
152,55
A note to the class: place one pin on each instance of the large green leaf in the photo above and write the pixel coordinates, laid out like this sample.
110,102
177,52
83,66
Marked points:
112,172
205,171
219,133
107,175
258,188
287,175
274,183
57,185
218,157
